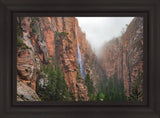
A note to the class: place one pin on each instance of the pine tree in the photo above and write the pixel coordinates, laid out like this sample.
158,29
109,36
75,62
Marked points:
89,84
62,93
48,92
56,88
51,85
114,90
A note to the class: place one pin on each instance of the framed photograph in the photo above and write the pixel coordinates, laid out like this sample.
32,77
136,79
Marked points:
79,59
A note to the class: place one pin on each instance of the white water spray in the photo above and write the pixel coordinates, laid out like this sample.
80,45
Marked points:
79,56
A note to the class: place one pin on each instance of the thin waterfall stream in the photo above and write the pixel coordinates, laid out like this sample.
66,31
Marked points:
79,56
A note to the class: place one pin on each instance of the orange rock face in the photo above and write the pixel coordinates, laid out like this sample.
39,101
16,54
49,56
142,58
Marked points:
49,35
54,37
27,62
27,67
124,55
66,55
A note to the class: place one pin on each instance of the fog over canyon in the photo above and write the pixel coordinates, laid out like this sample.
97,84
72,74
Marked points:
103,30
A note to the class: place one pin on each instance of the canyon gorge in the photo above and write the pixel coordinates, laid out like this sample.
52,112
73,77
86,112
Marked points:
55,49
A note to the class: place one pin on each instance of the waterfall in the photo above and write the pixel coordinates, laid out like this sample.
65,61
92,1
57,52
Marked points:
79,56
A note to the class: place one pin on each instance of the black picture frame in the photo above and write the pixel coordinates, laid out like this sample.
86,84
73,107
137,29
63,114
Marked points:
149,9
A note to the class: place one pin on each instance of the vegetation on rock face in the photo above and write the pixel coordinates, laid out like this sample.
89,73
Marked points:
62,33
19,30
33,24
137,92
21,45
35,19
55,89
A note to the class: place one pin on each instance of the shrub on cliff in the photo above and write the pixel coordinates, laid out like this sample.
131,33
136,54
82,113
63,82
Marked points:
34,19
19,30
21,44
34,25
34,30
137,92
62,33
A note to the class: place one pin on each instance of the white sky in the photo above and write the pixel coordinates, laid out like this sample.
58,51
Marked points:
102,29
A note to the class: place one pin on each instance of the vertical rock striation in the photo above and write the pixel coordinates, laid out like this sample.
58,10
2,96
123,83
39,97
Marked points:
50,37
124,55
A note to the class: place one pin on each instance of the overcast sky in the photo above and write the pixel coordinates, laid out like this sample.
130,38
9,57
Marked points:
102,29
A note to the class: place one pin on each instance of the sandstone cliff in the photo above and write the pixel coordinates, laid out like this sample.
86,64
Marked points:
124,55
42,38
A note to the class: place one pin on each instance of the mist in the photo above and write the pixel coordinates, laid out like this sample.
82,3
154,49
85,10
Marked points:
99,30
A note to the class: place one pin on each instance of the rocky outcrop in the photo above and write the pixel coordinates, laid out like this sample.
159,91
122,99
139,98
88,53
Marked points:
25,93
28,67
124,55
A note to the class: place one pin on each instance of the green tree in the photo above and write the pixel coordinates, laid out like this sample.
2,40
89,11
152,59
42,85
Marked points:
92,97
114,90
49,91
100,96
56,88
89,84
62,93
51,85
